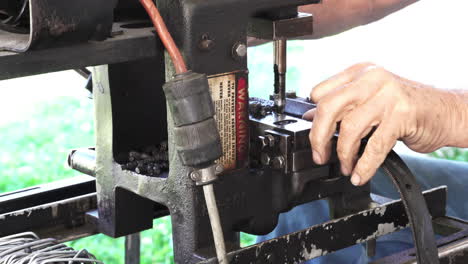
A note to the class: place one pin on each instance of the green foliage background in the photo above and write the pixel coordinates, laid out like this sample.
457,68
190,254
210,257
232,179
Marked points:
40,123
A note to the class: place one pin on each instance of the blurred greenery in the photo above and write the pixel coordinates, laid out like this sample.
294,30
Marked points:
34,148
262,68
451,154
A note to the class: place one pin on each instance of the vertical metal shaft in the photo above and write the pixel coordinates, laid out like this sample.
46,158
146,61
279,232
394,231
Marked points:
280,75
215,223
132,249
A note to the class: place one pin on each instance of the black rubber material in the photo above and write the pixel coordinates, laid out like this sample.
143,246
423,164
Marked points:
416,208
189,99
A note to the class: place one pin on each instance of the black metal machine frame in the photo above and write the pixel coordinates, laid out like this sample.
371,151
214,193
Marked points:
130,113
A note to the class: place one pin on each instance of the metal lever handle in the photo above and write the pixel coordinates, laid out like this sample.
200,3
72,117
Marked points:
416,208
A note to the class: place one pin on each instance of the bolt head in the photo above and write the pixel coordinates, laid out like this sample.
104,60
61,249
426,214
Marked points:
265,159
267,141
219,169
195,176
264,141
241,50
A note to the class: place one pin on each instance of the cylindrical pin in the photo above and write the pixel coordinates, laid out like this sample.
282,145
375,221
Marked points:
280,75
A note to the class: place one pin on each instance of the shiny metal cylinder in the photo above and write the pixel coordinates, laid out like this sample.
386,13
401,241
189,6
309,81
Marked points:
280,67
83,160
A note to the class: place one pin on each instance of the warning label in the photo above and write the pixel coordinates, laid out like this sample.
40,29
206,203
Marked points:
223,92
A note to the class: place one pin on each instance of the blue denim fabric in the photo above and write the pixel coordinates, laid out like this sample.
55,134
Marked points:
430,173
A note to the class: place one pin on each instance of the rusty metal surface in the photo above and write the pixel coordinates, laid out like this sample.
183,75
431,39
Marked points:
453,246
57,23
130,44
289,28
130,113
52,210
329,237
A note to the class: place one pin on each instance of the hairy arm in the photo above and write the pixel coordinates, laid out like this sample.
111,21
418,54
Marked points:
335,16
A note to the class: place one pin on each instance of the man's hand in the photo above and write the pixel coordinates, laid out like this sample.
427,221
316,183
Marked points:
366,97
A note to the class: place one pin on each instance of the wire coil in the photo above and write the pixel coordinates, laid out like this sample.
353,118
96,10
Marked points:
14,22
28,248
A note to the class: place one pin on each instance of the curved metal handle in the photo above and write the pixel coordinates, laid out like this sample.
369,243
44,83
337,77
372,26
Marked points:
416,208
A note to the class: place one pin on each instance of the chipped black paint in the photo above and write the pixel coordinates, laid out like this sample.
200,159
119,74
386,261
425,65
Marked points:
329,237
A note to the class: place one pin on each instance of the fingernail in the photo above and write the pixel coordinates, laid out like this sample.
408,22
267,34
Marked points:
356,180
317,158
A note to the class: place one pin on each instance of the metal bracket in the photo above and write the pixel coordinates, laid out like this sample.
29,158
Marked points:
290,28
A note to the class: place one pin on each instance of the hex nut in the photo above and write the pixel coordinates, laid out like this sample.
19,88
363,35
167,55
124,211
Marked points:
219,169
240,49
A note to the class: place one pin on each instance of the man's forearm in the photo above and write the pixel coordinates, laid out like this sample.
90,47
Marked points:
458,123
442,119
336,16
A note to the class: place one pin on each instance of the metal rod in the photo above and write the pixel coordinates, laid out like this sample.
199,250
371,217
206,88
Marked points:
215,223
280,75
132,249
83,160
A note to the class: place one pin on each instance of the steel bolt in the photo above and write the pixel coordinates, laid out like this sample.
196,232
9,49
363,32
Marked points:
264,141
278,162
240,50
195,176
219,169
267,141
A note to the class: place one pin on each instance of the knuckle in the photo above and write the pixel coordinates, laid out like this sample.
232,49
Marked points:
348,126
314,94
402,109
324,106
375,149
365,64
366,175
366,169
321,110
318,91
359,66
362,167
314,140
316,143
344,154
377,73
